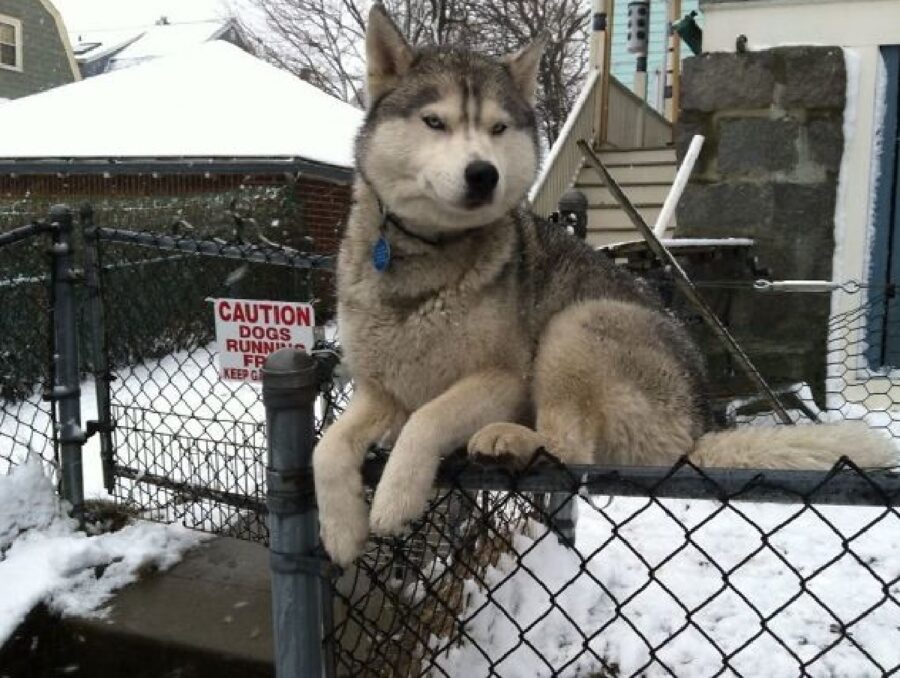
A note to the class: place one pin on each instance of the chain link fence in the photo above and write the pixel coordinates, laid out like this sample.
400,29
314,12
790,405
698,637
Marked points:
585,571
665,571
671,572
165,437
189,446
26,418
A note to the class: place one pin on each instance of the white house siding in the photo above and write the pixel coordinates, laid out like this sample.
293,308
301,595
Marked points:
623,62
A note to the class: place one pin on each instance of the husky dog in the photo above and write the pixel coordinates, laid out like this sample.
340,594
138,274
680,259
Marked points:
467,321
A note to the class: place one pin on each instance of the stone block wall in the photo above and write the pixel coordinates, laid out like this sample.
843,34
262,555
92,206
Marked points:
773,122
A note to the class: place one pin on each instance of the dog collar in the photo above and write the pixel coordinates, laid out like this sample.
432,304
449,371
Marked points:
381,250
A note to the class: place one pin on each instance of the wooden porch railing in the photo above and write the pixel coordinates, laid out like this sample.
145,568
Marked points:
632,123
606,112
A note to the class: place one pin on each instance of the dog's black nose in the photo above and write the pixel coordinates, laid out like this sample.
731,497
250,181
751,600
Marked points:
481,179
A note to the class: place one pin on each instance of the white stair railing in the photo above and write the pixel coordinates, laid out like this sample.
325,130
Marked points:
565,159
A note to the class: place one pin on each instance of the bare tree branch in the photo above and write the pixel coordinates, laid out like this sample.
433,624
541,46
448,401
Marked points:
322,41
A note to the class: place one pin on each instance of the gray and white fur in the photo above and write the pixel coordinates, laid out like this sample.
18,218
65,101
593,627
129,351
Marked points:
490,328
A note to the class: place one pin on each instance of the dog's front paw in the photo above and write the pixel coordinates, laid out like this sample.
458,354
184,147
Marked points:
394,507
344,532
506,440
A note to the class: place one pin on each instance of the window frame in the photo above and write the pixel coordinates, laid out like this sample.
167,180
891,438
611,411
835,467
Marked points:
883,348
17,27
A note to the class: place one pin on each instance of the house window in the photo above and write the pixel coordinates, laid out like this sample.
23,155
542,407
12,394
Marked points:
10,43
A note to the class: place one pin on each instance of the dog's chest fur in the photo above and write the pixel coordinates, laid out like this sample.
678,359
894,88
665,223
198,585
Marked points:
399,327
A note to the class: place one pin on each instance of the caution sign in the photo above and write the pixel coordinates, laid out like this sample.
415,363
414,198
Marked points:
248,330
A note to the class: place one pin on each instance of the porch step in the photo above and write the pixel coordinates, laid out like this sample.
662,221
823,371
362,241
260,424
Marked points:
605,237
644,174
628,173
653,193
207,617
640,155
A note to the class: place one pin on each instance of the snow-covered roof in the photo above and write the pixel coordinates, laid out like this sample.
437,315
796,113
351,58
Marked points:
136,45
167,40
211,101
94,45
93,15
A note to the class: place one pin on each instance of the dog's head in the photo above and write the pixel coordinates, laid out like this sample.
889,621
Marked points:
450,140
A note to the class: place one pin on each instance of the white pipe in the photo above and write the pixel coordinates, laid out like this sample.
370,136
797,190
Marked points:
678,186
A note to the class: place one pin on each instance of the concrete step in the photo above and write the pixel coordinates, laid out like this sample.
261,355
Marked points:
637,193
655,172
610,237
637,155
613,218
208,617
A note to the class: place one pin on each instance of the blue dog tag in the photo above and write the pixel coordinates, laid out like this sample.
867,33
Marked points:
381,254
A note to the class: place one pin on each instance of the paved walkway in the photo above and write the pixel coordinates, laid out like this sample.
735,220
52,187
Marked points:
209,616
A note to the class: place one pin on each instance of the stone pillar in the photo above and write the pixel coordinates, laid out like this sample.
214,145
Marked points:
773,123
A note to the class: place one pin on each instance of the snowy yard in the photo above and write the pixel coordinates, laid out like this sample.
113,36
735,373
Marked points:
613,590
179,395
556,596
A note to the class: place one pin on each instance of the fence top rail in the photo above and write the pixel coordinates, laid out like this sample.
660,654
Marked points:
844,484
175,165
211,248
23,233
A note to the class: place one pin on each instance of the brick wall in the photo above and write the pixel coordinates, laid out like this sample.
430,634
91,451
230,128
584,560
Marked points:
310,208
324,209
317,208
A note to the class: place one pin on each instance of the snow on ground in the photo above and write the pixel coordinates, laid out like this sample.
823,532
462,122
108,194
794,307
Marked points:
181,387
176,419
562,607
43,557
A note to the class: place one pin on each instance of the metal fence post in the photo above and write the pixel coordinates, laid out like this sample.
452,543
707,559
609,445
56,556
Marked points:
66,390
289,391
99,358
561,510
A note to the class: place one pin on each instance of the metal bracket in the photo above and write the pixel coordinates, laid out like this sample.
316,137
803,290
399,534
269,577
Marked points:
308,564
290,492
60,393
93,426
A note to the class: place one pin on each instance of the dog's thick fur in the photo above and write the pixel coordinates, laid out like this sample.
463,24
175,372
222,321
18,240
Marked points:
490,328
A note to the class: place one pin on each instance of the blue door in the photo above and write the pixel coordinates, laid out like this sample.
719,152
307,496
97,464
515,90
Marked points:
884,316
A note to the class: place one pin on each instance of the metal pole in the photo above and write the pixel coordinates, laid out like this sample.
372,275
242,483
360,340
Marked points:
99,358
22,233
673,56
66,391
289,392
561,510
685,285
678,186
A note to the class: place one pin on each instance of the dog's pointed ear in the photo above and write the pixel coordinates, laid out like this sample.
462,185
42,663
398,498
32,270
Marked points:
523,66
388,55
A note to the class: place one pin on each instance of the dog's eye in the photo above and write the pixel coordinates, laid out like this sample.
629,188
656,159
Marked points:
498,129
434,122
